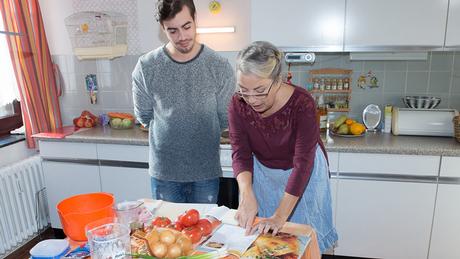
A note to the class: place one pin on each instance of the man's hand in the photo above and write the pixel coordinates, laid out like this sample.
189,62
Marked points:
247,211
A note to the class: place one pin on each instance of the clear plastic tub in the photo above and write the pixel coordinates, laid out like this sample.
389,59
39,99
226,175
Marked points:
50,249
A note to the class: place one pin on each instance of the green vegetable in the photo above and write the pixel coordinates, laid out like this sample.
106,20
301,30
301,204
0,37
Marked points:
210,255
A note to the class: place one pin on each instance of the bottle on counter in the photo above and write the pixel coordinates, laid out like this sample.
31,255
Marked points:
322,114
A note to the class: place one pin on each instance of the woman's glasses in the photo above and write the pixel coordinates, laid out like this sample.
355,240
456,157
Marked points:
256,96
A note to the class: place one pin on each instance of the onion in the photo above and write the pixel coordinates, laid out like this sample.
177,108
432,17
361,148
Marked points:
174,251
159,249
185,243
167,237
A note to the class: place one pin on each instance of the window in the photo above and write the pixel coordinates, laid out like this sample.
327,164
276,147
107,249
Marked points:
9,88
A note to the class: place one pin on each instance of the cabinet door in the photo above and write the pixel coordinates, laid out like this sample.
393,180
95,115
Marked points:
317,25
63,180
453,28
395,23
126,183
383,219
446,228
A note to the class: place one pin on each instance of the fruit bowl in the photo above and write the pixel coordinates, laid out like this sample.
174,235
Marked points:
120,120
119,123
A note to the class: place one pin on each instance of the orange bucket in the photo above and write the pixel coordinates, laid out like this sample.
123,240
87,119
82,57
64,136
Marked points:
77,211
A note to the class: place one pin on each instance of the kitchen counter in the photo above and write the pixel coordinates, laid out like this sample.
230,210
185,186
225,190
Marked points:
370,143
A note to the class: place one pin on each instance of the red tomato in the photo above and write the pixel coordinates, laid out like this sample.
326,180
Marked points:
205,226
161,222
177,226
189,218
89,123
81,122
194,233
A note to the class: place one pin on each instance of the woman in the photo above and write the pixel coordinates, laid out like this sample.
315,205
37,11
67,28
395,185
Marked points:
279,160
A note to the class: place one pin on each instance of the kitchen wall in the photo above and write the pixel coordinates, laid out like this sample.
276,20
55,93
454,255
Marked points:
437,76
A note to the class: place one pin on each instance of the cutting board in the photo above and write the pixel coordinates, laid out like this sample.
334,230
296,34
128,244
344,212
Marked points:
58,133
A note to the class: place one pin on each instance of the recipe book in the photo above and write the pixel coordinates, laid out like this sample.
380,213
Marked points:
230,237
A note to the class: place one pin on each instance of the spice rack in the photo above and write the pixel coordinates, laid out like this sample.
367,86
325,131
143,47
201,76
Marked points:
334,85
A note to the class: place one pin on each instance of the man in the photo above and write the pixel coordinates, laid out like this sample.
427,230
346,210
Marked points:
181,92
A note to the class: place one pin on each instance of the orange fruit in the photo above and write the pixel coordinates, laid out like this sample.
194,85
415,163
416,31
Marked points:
349,121
357,128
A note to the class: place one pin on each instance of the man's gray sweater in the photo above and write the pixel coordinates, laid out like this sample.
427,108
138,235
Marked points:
184,105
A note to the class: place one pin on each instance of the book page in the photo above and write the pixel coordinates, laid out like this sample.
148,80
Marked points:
230,238
223,214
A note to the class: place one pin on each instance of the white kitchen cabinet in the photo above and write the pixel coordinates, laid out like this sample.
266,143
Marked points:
385,204
63,180
384,219
450,166
372,24
126,183
445,237
317,25
453,28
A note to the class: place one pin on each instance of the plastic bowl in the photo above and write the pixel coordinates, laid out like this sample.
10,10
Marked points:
119,123
77,211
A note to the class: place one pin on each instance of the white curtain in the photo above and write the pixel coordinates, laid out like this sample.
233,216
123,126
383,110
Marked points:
8,86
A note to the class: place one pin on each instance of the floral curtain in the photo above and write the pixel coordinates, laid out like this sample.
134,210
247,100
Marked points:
34,70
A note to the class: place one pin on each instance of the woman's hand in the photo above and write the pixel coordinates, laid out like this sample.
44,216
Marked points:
247,211
275,223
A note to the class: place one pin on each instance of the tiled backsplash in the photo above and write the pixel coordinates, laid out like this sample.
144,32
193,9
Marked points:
437,76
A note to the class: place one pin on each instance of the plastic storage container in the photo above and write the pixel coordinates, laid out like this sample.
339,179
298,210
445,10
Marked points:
50,249
97,34
121,120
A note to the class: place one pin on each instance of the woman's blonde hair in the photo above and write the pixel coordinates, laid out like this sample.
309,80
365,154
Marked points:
260,58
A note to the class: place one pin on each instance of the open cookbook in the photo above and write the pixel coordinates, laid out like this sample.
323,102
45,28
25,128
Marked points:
232,238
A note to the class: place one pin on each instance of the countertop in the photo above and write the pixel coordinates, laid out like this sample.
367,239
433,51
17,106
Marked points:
384,143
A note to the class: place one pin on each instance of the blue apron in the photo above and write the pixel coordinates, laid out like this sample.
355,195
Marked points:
313,208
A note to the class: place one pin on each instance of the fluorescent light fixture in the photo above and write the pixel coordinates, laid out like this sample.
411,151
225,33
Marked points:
203,30
388,56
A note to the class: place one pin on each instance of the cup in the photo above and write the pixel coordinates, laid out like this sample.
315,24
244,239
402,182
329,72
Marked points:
128,213
109,240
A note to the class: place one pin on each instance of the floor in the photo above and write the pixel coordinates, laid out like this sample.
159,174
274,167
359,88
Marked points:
23,252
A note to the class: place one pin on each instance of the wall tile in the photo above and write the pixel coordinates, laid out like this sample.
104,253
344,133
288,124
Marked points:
439,82
441,61
116,99
76,100
419,65
395,82
457,62
395,65
417,82
456,83
356,66
454,101
393,99
103,66
374,66
330,60
84,66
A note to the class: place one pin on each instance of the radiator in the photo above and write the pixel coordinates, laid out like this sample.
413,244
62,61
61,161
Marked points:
23,208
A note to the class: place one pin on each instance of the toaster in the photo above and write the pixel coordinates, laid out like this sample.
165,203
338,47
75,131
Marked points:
423,122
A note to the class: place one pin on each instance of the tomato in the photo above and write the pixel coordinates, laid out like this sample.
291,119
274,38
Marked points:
161,222
89,123
81,122
189,218
205,226
176,225
194,233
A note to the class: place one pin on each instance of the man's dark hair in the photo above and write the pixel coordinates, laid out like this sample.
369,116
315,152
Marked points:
167,9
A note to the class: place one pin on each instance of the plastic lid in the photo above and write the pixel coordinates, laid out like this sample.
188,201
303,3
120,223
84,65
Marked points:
51,248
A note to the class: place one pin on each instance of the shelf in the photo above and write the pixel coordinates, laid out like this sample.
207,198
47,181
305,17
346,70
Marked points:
331,71
330,91
338,109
